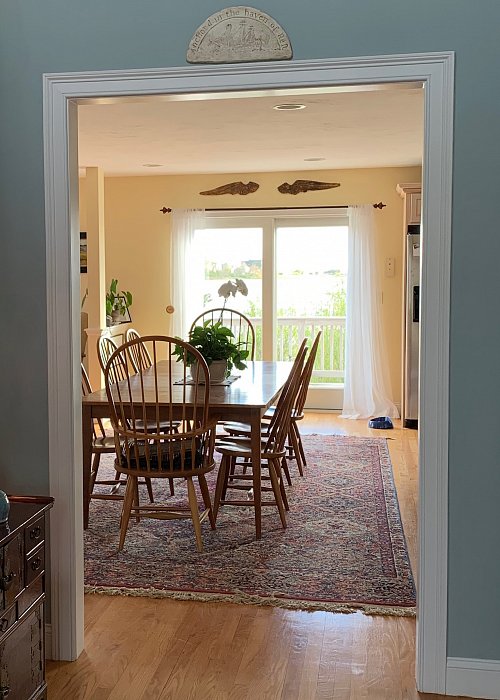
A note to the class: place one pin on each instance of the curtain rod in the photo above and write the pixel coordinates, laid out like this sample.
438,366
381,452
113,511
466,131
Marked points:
378,205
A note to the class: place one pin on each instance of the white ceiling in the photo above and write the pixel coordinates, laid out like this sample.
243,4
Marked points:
355,128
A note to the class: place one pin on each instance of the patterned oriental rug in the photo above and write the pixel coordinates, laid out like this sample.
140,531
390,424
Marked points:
344,548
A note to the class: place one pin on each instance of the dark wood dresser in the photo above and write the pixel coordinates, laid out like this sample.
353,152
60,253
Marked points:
22,596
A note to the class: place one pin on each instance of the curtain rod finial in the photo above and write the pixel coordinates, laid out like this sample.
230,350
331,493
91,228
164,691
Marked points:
379,205
165,210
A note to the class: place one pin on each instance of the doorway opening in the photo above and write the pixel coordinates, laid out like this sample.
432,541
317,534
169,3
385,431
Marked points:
61,172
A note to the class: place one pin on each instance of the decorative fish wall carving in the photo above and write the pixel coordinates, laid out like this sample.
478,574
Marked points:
233,188
306,186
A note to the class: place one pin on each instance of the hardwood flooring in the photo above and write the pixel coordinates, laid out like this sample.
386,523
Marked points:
148,649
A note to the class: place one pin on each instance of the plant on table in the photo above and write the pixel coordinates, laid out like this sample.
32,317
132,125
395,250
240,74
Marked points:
230,288
214,340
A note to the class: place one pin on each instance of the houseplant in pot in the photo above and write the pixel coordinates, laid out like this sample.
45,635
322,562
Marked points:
117,304
216,343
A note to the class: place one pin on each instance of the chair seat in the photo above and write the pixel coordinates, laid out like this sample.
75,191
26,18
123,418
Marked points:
162,458
242,448
104,444
152,426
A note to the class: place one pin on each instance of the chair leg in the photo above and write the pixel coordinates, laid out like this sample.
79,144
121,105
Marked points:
136,499
171,484
126,508
195,513
221,478
150,490
296,448
299,440
230,471
206,499
284,465
282,485
273,473
93,473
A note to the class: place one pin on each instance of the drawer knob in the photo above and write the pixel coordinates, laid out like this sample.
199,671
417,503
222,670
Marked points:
4,624
35,533
36,564
7,581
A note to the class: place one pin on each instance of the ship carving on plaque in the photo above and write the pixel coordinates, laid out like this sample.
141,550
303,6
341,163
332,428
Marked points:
238,34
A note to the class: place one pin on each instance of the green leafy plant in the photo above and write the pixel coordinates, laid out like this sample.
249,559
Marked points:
118,301
215,342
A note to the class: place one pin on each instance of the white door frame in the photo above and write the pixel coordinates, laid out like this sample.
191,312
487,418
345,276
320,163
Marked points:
62,92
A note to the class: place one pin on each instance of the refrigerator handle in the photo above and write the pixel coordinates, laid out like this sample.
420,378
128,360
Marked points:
416,303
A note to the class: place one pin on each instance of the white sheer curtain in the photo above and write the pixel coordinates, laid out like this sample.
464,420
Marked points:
367,385
186,269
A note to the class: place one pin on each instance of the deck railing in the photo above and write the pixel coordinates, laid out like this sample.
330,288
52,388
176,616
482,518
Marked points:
329,365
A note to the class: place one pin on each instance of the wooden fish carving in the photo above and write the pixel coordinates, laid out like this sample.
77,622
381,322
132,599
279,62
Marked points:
306,186
234,188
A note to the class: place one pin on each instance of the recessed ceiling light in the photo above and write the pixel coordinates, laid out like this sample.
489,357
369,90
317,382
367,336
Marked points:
314,159
151,165
289,106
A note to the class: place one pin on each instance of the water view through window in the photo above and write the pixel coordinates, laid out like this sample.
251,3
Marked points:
308,264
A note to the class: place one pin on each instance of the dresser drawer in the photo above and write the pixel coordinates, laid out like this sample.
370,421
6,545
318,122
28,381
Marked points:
11,571
29,596
7,619
34,534
35,564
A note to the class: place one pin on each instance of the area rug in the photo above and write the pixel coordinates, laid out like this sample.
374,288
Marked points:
343,550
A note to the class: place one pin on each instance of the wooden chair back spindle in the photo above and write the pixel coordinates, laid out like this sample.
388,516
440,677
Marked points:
241,326
138,353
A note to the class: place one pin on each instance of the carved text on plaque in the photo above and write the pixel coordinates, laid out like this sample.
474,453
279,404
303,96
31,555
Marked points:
238,34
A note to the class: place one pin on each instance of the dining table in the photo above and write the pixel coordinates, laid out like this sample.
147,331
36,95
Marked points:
245,399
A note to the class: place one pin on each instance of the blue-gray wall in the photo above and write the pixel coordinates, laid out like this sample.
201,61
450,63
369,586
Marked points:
71,35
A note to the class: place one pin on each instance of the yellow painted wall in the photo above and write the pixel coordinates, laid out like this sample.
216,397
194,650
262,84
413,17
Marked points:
138,234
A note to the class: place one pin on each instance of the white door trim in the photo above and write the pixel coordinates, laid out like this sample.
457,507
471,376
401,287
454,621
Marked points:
61,93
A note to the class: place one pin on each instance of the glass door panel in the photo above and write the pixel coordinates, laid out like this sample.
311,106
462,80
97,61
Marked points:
227,254
311,284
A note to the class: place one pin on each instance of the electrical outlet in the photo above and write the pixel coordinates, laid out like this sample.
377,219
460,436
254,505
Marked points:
390,264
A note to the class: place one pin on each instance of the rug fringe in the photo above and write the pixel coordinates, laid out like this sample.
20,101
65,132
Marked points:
244,598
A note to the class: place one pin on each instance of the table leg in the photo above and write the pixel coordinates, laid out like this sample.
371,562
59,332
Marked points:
87,460
255,443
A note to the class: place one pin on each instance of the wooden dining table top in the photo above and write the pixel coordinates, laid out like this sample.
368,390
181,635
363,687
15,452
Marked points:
254,387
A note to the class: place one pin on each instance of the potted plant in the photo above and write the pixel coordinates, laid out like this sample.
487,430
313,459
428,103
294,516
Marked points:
215,342
117,304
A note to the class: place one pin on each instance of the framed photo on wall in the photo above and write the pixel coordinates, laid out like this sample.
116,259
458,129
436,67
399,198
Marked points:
83,251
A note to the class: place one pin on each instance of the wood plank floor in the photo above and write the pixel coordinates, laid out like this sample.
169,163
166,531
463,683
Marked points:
147,649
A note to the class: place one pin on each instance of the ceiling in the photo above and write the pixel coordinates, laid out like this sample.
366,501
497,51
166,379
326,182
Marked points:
349,127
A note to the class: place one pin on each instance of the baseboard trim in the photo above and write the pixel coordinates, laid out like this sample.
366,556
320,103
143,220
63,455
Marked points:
477,678
48,642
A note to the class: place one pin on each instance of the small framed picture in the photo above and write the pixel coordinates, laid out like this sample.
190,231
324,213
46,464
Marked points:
83,251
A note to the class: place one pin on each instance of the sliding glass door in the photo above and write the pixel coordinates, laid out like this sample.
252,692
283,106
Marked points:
294,264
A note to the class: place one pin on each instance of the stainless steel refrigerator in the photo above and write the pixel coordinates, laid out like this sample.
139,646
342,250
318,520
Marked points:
412,328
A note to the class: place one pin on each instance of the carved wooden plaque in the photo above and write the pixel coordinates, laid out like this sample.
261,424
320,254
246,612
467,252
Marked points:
306,186
233,188
238,34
